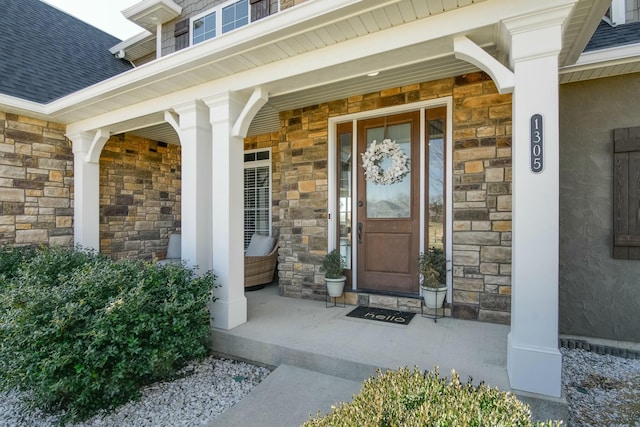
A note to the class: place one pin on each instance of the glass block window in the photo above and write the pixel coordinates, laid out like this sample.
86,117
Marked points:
257,194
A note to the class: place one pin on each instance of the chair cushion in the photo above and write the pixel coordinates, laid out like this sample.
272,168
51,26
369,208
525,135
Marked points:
174,248
260,245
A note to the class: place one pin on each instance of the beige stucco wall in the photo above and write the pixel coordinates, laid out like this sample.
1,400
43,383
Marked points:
599,295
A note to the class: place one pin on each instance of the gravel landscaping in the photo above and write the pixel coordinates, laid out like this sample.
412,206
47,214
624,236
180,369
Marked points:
207,389
601,390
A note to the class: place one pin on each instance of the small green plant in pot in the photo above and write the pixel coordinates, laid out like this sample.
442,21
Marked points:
432,267
333,266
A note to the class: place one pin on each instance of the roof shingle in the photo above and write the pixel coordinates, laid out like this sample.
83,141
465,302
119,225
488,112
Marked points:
607,36
46,54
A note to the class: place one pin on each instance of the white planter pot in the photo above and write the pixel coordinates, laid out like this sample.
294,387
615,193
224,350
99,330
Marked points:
434,297
335,287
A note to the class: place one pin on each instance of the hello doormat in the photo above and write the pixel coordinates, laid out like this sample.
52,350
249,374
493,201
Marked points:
381,315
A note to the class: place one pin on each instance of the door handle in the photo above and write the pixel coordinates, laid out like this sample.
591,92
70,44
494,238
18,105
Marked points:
359,233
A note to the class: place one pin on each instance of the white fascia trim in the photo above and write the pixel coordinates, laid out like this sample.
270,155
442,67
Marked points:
125,44
218,48
20,106
604,58
290,23
164,11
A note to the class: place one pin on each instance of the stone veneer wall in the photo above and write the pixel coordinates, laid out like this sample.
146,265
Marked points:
482,191
481,200
36,182
140,186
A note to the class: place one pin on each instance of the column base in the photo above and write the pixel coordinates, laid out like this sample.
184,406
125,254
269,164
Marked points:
228,314
534,369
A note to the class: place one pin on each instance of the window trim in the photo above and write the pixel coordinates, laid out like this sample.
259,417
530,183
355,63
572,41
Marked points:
257,164
218,11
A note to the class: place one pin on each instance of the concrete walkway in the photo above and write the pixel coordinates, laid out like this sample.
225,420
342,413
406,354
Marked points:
327,355
287,397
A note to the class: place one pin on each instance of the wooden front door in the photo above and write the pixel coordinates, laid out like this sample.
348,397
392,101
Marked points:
388,223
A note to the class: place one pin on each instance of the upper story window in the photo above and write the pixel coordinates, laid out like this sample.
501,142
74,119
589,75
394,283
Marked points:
219,20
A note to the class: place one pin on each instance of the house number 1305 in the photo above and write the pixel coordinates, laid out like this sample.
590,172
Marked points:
537,133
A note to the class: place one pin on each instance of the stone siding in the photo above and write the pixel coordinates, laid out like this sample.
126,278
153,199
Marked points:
481,200
481,186
140,186
36,182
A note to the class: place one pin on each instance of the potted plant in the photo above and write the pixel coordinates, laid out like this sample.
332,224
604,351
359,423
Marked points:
333,267
432,267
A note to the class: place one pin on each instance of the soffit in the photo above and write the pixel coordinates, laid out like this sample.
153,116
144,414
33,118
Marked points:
580,27
267,120
596,73
603,63
240,51
136,47
150,13
262,44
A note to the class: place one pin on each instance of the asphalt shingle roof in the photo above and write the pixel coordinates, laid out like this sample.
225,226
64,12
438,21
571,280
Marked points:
607,36
46,54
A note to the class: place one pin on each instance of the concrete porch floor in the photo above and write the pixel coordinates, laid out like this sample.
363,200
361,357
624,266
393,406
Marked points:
306,334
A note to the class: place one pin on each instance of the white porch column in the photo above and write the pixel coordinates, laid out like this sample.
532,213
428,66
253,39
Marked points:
228,211
534,363
86,192
195,141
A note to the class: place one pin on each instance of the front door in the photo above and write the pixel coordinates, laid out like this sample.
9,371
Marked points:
388,208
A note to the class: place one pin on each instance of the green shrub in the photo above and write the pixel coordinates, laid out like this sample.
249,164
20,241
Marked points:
415,399
10,260
81,333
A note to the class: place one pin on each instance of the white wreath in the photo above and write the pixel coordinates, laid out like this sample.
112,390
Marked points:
372,158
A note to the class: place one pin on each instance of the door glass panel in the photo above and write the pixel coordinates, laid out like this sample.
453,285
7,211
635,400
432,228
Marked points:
390,200
436,183
344,197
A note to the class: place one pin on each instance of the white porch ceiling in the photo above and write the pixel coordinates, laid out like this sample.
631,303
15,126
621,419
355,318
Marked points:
267,120
408,41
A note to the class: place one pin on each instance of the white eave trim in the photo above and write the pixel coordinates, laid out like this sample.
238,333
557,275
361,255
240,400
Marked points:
225,45
150,13
605,57
125,44
14,105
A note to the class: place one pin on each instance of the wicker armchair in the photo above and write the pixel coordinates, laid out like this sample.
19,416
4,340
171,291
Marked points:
259,270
